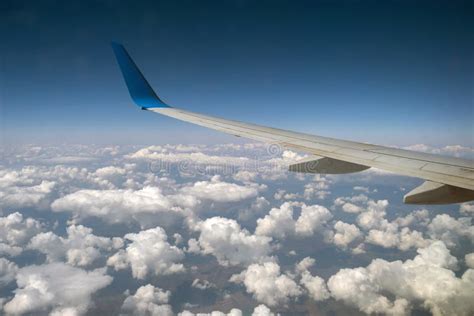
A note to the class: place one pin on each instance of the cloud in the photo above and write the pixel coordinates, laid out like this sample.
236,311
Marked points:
80,248
202,284
312,219
110,172
164,155
394,287
262,310
126,205
391,237
374,215
467,208
148,252
304,265
451,230
148,300
115,206
469,259
345,234
349,204
318,189
416,218
245,176
258,207
283,195
8,271
393,234
232,312
229,243
268,284
315,286
57,287
219,191
279,222
451,150
15,233
361,188
25,196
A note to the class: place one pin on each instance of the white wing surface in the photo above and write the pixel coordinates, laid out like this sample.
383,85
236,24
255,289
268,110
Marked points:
448,180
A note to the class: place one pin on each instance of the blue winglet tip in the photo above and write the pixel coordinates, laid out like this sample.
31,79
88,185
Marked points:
140,90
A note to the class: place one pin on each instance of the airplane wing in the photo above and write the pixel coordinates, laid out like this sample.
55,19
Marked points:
448,180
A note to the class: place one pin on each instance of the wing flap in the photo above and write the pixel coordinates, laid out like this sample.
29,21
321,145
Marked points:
326,166
437,193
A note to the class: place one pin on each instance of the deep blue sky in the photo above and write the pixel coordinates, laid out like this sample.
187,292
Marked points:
394,73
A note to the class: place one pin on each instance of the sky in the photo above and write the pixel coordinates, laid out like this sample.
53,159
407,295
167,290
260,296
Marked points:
391,72
109,210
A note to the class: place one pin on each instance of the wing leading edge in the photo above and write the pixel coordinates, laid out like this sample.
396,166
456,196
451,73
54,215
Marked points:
449,180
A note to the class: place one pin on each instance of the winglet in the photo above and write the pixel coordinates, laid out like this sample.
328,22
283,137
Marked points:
140,90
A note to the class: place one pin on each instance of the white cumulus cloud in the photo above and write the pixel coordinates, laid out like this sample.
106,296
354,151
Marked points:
280,223
267,284
57,287
148,252
229,243
148,301
394,287
15,233
81,247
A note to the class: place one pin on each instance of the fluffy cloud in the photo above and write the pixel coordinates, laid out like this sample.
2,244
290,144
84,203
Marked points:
229,243
232,312
451,150
124,205
469,259
374,215
345,234
312,219
410,282
202,284
219,191
268,284
451,230
148,300
26,196
8,271
80,248
304,265
318,189
349,204
148,253
391,237
245,176
315,286
387,234
166,157
467,208
262,310
115,206
279,222
419,218
48,287
15,232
